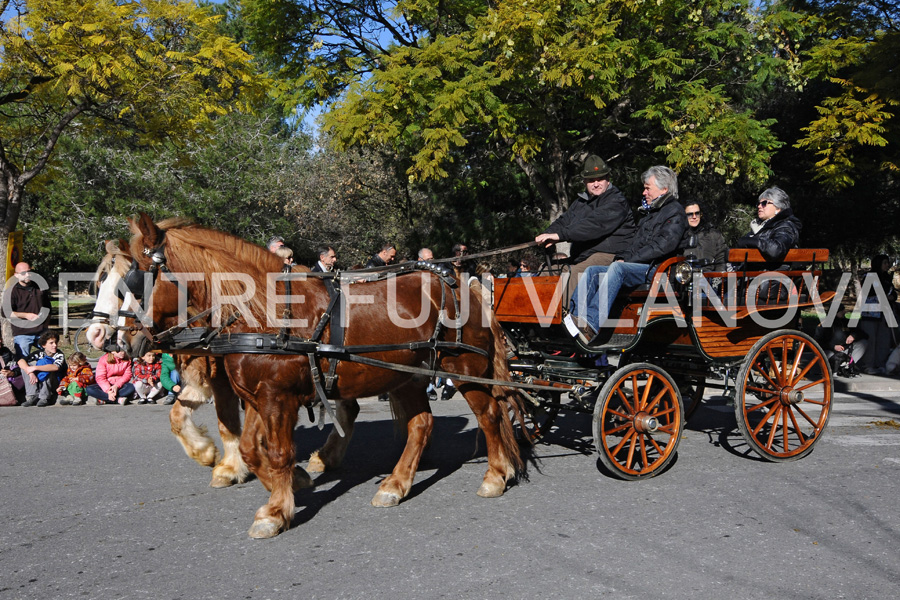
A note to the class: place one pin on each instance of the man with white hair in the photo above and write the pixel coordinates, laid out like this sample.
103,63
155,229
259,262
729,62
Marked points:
275,242
660,227
426,254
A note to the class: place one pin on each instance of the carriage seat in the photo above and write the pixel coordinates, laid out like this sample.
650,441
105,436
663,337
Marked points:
747,263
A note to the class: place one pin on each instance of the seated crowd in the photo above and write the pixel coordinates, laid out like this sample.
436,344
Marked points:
45,377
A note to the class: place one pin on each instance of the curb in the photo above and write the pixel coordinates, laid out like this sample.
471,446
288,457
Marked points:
869,384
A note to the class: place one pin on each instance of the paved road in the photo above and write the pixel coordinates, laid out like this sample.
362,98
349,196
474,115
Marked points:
100,502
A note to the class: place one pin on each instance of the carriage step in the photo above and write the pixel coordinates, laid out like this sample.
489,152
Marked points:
610,341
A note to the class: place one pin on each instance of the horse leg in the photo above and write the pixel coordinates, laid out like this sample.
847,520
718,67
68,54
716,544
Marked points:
412,401
231,469
491,417
196,443
278,427
254,452
331,455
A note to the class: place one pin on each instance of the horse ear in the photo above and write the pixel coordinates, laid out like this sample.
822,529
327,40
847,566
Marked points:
148,230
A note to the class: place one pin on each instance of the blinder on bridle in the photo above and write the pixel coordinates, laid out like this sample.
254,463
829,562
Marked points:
135,279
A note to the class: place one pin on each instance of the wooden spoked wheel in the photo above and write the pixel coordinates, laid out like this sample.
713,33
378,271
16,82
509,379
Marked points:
784,395
638,421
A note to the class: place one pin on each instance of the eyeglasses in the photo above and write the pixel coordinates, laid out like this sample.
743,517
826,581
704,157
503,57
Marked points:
763,203
693,214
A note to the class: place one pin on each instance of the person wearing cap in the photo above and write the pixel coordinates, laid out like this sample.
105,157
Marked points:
599,223
660,229
775,230
327,258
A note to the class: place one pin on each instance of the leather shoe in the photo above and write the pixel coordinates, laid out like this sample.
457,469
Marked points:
579,328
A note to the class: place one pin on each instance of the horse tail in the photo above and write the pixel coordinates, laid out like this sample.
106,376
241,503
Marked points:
509,398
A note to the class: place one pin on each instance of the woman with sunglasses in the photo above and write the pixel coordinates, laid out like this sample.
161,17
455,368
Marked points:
775,230
703,241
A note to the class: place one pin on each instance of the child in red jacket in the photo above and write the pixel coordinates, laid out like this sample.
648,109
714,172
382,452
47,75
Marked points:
146,375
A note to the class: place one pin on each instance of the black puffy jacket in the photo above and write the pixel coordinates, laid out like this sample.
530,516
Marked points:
659,232
778,235
593,224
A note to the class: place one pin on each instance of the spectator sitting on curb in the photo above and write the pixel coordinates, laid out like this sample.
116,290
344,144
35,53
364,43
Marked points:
39,371
170,377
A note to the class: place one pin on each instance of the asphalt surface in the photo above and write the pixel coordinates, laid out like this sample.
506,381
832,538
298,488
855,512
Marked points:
101,502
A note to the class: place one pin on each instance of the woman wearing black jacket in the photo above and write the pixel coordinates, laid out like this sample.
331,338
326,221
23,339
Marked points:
775,230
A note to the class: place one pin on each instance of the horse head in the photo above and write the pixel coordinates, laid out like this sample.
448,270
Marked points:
199,269
119,285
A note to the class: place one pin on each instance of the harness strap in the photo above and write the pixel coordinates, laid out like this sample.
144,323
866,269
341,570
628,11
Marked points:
316,375
286,314
336,307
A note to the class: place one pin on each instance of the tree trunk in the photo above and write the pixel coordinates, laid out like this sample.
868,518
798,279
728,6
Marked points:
10,196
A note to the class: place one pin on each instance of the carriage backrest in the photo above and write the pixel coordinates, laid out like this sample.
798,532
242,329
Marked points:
529,299
801,266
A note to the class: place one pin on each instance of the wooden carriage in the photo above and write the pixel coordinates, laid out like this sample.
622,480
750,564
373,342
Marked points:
671,336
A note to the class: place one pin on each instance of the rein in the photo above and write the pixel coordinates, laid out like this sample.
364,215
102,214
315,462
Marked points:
198,338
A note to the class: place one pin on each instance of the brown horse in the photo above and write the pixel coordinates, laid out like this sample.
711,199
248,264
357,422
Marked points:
222,272
202,377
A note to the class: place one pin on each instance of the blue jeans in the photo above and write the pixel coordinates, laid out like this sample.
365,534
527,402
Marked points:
599,287
95,391
175,376
24,342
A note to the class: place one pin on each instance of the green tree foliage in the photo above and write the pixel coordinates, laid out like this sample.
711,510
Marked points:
534,81
149,71
854,48
229,181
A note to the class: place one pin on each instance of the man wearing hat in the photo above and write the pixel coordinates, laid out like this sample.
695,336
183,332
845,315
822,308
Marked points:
599,223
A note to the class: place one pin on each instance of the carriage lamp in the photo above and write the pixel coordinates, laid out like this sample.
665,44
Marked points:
684,272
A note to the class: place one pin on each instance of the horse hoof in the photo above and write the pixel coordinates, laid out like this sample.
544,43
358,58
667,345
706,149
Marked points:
219,482
384,499
488,490
262,530
301,479
316,465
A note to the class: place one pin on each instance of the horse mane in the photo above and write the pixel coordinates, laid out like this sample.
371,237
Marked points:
191,248
109,263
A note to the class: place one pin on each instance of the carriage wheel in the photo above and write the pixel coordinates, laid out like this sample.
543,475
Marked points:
638,421
81,344
784,395
540,412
